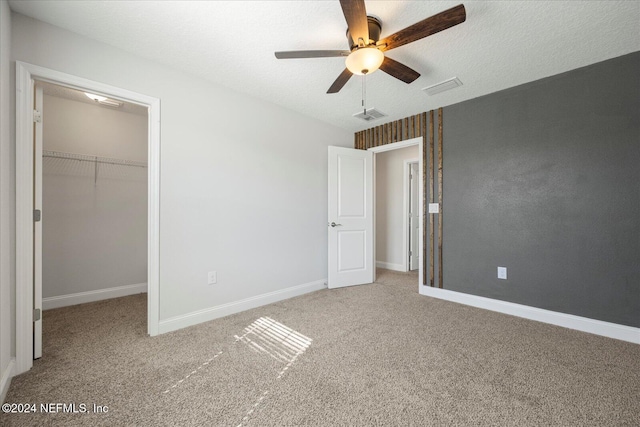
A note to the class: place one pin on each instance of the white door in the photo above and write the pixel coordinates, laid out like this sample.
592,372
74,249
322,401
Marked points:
350,222
414,217
37,225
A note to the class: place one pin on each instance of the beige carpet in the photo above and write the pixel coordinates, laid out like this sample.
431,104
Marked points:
368,355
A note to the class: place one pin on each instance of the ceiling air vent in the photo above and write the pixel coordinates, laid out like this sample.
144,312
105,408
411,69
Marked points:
372,114
443,86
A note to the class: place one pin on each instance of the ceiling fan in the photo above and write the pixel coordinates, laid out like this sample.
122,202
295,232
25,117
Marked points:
365,54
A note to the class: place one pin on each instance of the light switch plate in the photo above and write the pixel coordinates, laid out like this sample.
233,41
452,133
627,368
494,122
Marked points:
434,208
502,273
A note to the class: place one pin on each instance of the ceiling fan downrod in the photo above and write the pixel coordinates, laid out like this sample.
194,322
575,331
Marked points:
364,92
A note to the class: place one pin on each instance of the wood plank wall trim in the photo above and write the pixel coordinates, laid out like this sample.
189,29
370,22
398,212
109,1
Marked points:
387,133
423,132
440,197
400,130
430,191
423,125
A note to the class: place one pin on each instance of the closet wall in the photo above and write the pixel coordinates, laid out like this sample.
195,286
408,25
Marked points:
94,213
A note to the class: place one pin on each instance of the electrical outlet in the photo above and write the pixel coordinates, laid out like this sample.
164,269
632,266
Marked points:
212,277
502,273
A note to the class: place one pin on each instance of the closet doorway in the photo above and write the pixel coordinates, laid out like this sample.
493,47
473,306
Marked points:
91,180
29,298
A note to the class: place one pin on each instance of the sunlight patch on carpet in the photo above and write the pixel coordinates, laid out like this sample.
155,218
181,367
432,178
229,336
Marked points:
276,340
265,336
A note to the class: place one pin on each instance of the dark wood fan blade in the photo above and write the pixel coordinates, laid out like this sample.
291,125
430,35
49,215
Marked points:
342,79
293,54
398,70
356,17
443,20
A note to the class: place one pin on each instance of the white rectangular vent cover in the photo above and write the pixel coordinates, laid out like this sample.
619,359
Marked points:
443,86
372,114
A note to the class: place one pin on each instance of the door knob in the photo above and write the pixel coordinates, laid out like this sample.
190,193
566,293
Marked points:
333,224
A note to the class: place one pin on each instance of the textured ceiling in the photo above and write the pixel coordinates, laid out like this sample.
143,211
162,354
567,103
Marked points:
502,44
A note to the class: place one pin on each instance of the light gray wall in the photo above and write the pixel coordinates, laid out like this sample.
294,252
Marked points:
7,204
243,181
544,179
389,204
94,230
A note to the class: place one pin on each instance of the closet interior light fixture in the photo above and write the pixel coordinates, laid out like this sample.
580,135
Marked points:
95,97
103,100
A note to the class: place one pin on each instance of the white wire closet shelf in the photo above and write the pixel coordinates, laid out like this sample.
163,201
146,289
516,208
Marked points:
92,159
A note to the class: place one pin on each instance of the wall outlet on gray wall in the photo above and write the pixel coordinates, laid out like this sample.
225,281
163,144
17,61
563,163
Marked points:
502,273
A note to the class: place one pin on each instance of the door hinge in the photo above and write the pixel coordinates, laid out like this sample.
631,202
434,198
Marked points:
37,215
36,314
410,253
37,116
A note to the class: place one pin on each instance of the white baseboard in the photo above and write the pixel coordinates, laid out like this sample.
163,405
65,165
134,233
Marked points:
200,316
584,324
5,382
390,266
91,296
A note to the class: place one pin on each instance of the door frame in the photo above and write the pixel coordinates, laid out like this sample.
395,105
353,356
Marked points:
25,74
394,146
406,188
37,226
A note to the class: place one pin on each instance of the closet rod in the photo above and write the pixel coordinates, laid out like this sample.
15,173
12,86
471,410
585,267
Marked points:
92,159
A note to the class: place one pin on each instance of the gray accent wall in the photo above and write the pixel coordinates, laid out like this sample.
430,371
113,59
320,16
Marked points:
544,179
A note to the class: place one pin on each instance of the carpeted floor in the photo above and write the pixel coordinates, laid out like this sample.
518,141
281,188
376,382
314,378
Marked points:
367,355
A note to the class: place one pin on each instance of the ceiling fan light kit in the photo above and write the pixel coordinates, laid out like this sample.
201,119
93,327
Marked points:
364,60
366,50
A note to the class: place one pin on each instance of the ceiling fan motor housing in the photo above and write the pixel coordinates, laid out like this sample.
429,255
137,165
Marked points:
375,26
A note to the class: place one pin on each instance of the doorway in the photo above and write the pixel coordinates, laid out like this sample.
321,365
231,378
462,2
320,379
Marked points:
411,204
393,176
28,302
351,214
91,186
418,214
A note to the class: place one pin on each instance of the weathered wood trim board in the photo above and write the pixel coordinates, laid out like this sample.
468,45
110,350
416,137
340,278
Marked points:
419,125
